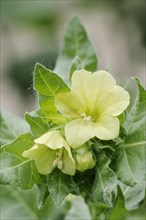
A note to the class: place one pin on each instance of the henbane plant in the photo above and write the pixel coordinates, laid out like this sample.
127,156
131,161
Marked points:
87,136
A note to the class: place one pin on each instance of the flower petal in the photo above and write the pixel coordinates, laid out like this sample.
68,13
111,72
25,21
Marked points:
43,157
78,132
68,164
51,139
91,88
116,101
82,86
103,82
69,105
107,127
31,153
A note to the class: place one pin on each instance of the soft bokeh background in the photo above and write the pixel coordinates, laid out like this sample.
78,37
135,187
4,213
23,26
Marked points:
31,31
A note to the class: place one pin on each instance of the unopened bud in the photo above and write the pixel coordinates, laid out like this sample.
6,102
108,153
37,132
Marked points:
84,159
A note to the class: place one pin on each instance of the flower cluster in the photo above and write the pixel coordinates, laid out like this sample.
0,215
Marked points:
91,108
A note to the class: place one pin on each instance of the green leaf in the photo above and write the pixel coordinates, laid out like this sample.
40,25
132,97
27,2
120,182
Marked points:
77,64
119,211
16,170
38,127
6,133
137,111
20,144
19,204
48,85
134,196
79,210
16,200
82,184
42,195
100,211
131,154
11,127
76,45
59,186
104,186
137,214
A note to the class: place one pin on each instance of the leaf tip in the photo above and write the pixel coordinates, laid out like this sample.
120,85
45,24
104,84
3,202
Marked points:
75,18
37,66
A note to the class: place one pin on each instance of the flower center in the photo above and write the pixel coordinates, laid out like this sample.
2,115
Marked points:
85,117
58,161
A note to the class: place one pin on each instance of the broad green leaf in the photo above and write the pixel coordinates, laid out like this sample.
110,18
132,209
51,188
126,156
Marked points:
135,117
104,186
82,184
20,144
11,127
119,211
48,85
137,214
42,195
131,154
6,133
77,64
100,211
59,186
16,170
76,45
79,210
134,196
19,204
38,127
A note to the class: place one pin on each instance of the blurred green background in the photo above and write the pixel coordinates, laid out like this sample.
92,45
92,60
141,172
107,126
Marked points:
21,205
31,31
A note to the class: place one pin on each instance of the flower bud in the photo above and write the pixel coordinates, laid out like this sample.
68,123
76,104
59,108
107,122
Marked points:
84,158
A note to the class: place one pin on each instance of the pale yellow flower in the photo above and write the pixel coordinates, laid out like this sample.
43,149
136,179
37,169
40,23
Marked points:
92,107
51,151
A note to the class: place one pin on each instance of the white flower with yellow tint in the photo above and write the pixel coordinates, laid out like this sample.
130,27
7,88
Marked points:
92,107
51,151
